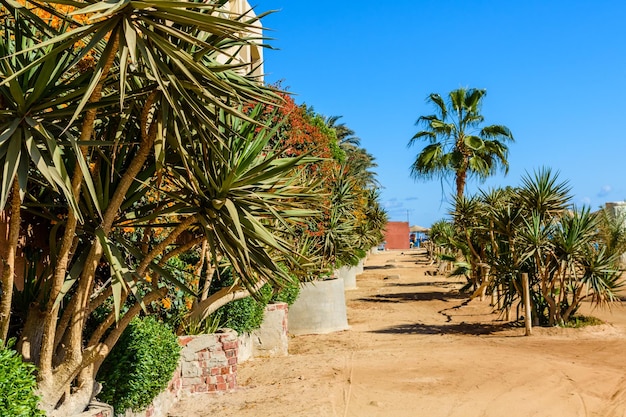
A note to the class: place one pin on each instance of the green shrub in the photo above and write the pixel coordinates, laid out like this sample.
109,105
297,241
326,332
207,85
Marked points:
350,258
246,314
17,386
287,294
583,321
360,254
140,365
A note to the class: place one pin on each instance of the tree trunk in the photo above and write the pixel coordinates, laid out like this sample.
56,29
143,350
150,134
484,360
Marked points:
29,347
80,397
220,298
545,291
49,323
461,177
576,300
8,272
527,309
55,381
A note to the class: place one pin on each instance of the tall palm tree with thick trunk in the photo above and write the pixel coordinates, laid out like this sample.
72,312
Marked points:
457,144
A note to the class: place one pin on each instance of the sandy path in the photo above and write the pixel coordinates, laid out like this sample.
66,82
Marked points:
418,348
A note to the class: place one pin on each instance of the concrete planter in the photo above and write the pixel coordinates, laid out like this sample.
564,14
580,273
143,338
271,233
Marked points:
359,267
348,274
320,308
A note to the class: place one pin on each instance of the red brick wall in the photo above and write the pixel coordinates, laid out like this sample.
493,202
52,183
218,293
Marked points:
397,235
209,362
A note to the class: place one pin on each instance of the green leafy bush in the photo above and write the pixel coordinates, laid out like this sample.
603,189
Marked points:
287,294
243,315
360,254
140,366
583,321
17,386
246,314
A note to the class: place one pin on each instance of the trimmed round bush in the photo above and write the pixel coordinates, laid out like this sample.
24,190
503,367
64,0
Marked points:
17,386
140,365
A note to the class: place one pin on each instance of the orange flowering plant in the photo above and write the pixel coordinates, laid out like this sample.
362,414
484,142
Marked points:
345,227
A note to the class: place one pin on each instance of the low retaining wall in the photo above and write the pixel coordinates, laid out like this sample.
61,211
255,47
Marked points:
271,339
208,363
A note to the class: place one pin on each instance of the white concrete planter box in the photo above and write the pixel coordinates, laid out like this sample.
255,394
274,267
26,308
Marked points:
320,308
348,274
359,267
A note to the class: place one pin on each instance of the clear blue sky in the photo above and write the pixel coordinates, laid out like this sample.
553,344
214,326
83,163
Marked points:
554,71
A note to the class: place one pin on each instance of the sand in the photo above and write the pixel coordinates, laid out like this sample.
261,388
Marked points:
416,347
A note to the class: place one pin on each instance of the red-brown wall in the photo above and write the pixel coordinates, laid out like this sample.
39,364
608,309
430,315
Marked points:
397,235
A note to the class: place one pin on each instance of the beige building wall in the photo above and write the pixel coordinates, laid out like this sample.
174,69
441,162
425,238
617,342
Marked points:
251,55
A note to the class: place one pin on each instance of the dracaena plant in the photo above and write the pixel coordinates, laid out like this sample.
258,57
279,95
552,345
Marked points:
570,254
99,102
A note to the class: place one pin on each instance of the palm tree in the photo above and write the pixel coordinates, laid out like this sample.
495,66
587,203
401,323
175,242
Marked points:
570,255
456,142
345,135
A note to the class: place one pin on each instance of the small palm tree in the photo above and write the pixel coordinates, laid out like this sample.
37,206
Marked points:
456,142
612,231
570,255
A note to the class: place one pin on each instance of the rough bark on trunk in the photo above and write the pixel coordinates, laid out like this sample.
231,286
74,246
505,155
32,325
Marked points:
49,323
55,382
8,272
461,176
527,308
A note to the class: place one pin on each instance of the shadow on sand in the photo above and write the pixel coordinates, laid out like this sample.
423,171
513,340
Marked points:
439,284
373,267
413,296
455,328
